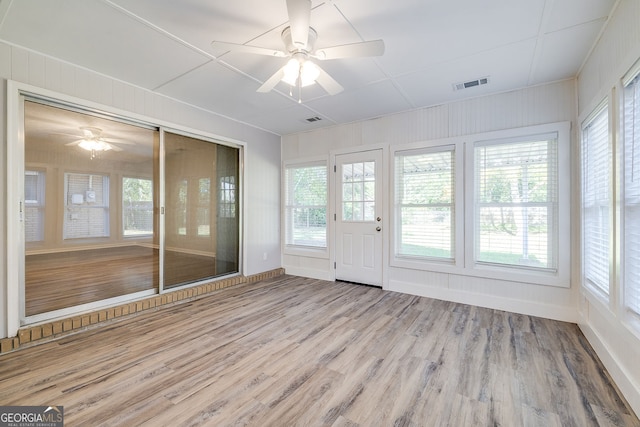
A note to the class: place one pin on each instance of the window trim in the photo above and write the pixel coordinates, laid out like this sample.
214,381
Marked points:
595,291
464,210
298,250
629,318
559,277
464,206
425,263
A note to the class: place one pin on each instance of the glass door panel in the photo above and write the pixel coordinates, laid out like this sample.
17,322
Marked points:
201,227
90,191
228,213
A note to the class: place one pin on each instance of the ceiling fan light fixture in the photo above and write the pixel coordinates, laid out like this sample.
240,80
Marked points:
309,72
94,145
306,71
291,72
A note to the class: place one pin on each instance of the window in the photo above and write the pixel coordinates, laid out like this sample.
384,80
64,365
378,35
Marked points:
424,203
515,207
358,191
203,211
631,218
306,205
34,191
86,206
181,205
227,204
137,206
596,201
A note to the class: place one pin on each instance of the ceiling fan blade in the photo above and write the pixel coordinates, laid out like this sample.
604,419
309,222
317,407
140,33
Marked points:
352,50
328,83
299,19
272,81
245,48
117,141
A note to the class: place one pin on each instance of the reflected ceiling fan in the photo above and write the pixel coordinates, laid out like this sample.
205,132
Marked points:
94,142
299,41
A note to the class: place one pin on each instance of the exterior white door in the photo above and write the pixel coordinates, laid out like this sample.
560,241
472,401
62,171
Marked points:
359,217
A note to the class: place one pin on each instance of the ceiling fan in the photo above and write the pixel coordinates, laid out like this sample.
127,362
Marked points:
299,41
94,142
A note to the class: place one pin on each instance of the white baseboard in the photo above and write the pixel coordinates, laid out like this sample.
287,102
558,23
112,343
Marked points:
549,311
308,272
621,377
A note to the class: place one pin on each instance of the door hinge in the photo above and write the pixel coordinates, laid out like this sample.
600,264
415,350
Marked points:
334,168
334,217
334,265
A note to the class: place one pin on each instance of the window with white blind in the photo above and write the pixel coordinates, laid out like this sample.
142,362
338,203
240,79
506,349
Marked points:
86,203
306,205
596,201
425,203
516,213
631,190
34,207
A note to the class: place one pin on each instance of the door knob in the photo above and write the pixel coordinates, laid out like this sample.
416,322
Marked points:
378,219
378,228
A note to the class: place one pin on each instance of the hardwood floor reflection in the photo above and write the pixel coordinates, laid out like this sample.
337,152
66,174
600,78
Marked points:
66,279
187,268
301,352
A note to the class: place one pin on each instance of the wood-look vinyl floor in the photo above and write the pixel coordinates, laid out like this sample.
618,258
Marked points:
301,352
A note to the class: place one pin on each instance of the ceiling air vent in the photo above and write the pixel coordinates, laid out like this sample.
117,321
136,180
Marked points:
313,119
472,83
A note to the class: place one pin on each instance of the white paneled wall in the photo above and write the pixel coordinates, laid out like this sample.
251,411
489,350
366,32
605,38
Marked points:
614,54
527,107
616,51
262,164
537,105
262,155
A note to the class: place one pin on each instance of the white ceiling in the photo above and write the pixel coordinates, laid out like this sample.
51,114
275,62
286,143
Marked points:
165,46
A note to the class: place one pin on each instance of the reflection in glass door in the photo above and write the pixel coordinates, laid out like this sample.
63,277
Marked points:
201,238
91,218
90,189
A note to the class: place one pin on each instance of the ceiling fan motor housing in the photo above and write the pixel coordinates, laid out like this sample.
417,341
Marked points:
294,48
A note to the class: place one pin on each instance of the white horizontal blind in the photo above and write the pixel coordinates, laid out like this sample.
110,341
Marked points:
516,202
306,205
34,205
596,201
631,225
424,204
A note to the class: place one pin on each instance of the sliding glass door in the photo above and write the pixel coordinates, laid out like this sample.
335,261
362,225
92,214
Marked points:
92,209
201,223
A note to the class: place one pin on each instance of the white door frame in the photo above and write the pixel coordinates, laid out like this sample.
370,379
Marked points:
385,208
14,303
